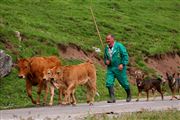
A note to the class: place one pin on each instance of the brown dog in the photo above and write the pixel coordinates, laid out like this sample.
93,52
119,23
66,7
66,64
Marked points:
148,84
174,84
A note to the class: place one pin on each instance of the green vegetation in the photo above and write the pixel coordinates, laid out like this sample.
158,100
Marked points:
143,115
146,28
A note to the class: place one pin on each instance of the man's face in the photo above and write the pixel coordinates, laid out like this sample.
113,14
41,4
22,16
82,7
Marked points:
109,40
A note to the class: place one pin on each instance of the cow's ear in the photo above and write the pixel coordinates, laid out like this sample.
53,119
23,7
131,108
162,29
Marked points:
27,59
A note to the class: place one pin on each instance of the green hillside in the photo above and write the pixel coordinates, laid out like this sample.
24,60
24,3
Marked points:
145,27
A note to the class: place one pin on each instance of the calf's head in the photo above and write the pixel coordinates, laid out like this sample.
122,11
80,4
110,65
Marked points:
24,67
53,75
57,74
47,75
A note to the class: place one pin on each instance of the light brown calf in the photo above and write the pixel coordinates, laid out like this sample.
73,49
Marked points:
47,76
69,77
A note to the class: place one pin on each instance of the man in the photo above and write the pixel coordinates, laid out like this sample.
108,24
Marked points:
116,59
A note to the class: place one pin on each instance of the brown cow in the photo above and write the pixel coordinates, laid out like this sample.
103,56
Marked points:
32,70
69,77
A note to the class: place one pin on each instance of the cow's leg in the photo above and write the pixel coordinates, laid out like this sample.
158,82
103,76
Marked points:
40,86
87,93
62,92
73,99
46,94
29,91
91,91
52,95
68,93
88,96
92,95
60,95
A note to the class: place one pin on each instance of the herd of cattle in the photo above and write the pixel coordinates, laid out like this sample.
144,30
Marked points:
48,73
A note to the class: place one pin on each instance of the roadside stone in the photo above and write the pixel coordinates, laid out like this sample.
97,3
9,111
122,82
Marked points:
5,64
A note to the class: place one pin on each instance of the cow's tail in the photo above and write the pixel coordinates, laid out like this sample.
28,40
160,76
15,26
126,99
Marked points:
89,61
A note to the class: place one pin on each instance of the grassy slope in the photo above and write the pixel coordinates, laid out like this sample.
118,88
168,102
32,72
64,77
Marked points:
145,27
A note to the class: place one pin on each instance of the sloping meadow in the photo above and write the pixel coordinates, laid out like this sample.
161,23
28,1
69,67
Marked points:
146,28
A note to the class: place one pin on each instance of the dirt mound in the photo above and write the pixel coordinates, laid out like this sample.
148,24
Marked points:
72,51
165,63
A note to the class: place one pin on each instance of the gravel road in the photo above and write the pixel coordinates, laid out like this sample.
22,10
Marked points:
81,110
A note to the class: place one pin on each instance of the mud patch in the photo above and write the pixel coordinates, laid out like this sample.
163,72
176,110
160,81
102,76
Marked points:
72,51
164,63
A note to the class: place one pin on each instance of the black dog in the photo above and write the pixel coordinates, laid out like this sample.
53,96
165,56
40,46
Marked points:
149,84
174,84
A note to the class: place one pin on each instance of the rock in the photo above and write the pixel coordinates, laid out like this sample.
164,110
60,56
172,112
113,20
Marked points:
5,64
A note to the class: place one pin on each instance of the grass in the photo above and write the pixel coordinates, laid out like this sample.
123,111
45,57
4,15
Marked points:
146,28
143,115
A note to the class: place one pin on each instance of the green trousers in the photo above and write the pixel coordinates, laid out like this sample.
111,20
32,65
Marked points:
114,72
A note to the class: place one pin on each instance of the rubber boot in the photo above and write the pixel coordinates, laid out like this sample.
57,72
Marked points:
111,94
128,99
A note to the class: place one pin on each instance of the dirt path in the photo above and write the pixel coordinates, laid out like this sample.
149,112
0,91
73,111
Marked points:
82,110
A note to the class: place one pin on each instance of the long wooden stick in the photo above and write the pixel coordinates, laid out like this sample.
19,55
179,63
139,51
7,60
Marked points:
97,28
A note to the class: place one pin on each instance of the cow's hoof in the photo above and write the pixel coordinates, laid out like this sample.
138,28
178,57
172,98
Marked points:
50,104
73,104
65,103
34,102
90,104
44,104
37,103
60,102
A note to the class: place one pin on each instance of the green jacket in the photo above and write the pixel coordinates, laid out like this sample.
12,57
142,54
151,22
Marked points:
119,55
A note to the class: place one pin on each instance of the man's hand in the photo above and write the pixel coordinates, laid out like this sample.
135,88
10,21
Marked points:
107,62
120,67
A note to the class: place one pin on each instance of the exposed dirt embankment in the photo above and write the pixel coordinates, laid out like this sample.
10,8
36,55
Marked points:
72,51
161,63
165,63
